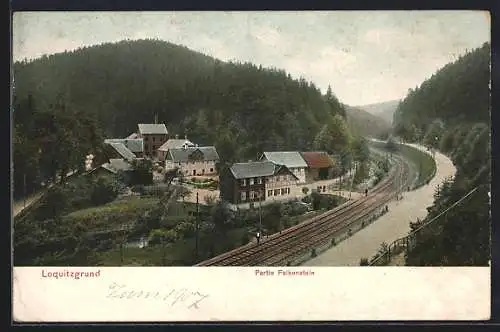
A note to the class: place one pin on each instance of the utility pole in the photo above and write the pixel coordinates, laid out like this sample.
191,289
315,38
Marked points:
196,225
260,220
24,191
260,213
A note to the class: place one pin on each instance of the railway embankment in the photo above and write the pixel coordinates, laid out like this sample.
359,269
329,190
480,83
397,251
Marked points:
396,222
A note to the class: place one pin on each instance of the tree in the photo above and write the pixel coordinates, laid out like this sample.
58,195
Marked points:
360,150
305,190
333,137
221,217
163,238
272,217
104,191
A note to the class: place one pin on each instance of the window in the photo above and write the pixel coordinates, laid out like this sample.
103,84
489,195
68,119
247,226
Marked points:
146,147
251,181
324,188
259,180
203,171
288,191
243,182
282,191
146,138
269,193
243,196
211,170
276,192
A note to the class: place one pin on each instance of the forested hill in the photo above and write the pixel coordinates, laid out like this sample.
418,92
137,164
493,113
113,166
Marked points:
451,111
241,108
458,92
365,124
384,110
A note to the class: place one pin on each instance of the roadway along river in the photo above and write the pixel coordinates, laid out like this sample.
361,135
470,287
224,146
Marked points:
390,226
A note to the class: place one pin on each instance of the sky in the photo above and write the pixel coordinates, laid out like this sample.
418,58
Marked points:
366,56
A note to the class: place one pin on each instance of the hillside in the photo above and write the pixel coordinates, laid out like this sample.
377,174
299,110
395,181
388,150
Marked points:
450,111
384,110
365,124
101,91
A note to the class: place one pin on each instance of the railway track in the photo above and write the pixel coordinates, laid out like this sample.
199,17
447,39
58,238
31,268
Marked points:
280,247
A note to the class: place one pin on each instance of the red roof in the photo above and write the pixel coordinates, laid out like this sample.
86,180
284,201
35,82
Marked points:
317,159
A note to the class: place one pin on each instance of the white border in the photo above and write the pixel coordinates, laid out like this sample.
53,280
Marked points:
238,294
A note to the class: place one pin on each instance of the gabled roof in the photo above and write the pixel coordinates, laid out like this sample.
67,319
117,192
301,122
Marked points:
123,151
132,136
253,169
291,159
182,154
175,144
318,159
152,129
133,144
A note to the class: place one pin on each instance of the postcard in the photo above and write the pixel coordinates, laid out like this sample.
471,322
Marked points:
251,166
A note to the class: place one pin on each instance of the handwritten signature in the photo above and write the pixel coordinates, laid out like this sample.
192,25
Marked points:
190,299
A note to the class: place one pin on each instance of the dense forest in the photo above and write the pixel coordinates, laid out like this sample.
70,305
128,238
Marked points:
451,112
65,104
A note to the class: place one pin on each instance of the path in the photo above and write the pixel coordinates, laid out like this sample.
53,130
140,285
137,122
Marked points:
19,205
390,226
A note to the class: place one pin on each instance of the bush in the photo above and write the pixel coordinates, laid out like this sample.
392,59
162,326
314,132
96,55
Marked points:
245,238
103,192
363,262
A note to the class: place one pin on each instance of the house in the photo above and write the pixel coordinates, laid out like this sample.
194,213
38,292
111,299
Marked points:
154,136
135,145
113,167
115,150
133,136
193,161
281,185
173,143
245,182
253,181
319,166
291,159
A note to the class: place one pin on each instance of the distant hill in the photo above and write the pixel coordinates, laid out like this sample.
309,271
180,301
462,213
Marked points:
384,110
365,124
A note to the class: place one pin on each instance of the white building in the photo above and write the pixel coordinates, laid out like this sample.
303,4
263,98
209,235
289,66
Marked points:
174,143
292,160
281,185
193,161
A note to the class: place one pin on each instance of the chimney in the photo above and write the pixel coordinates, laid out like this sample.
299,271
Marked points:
176,136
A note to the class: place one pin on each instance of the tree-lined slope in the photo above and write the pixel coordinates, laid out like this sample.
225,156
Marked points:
451,111
365,124
241,108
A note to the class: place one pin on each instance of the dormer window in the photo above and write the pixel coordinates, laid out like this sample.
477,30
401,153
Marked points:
251,181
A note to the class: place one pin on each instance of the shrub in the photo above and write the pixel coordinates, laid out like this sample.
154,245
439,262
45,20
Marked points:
103,192
363,262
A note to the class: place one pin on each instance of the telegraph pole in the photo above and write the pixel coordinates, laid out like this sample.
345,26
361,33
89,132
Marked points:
196,225
24,191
